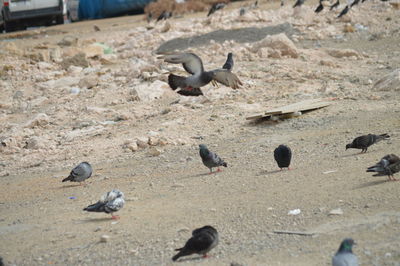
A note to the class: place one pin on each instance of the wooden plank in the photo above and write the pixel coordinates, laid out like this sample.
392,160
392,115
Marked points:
307,105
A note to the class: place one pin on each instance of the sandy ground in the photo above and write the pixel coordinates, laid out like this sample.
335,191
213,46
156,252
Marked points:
169,195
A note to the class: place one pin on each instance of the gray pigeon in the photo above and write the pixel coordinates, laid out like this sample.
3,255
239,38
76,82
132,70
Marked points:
211,159
229,62
344,11
215,7
363,142
202,241
388,165
80,173
298,3
335,5
190,86
344,256
110,202
320,7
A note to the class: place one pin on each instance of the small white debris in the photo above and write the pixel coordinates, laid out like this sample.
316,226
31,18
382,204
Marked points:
294,212
329,172
104,238
336,212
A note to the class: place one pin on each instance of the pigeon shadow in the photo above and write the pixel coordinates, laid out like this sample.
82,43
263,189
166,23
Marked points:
351,155
372,183
190,259
69,186
270,172
95,220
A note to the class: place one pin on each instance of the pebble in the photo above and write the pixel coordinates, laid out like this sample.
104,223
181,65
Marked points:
104,238
336,212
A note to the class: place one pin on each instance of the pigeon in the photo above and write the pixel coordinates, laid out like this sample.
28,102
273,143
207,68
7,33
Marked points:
110,202
202,241
211,159
320,7
283,156
164,15
344,256
335,5
363,142
80,173
96,28
344,11
1,261
388,165
299,3
190,86
229,62
242,11
215,7
355,2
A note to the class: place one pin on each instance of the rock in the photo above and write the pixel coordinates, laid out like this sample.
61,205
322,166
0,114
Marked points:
35,143
336,212
142,142
132,146
88,82
153,141
149,92
11,48
104,238
389,82
348,28
76,60
279,42
340,53
59,83
133,95
85,132
44,66
40,120
153,151
395,5
68,41
329,63
93,50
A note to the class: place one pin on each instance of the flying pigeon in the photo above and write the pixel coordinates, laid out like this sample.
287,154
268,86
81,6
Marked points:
388,165
283,156
335,5
202,241
299,3
320,7
344,256
215,7
190,86
80,173
211,159
110,202
229,62
164,15
363,142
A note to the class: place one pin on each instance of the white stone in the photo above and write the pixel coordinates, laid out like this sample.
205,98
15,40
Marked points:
279,42
389,82
40,120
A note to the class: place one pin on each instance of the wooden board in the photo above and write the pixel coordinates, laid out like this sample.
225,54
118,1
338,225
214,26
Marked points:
307,105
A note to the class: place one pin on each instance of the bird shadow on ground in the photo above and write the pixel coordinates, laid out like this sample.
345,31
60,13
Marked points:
371,183
94,220
201,174
270,172
69,186
191,259
351,155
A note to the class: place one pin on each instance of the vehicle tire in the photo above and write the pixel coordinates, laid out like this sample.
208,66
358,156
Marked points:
1,28
10,26
60,19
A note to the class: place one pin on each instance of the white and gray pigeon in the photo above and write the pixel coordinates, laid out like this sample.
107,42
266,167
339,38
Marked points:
80,173
190,86
110,202
202,241
211,159
344,256
388,165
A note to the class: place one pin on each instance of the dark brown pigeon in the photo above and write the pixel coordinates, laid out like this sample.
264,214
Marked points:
283,156
202,241
363,142
388,165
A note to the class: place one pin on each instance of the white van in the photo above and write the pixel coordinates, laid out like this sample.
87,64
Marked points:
20,14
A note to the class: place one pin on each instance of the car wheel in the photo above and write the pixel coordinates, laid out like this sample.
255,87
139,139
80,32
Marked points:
60,19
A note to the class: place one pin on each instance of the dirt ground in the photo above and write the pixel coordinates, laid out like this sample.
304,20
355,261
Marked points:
168,195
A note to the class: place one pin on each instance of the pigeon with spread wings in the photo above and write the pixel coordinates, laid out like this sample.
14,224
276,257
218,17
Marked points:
190,86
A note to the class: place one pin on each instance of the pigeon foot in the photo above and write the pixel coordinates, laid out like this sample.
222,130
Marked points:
116,217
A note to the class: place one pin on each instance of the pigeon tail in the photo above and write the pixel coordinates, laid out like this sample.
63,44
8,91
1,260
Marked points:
182,252
69,178
175,81
224,164
97,207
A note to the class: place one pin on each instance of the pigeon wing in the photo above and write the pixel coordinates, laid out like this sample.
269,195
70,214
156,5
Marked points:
115,205
190,62
227,78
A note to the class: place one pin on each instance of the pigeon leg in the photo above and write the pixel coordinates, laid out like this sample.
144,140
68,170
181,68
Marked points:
219,170
205,256
114,217
189,88
288,168
210,171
